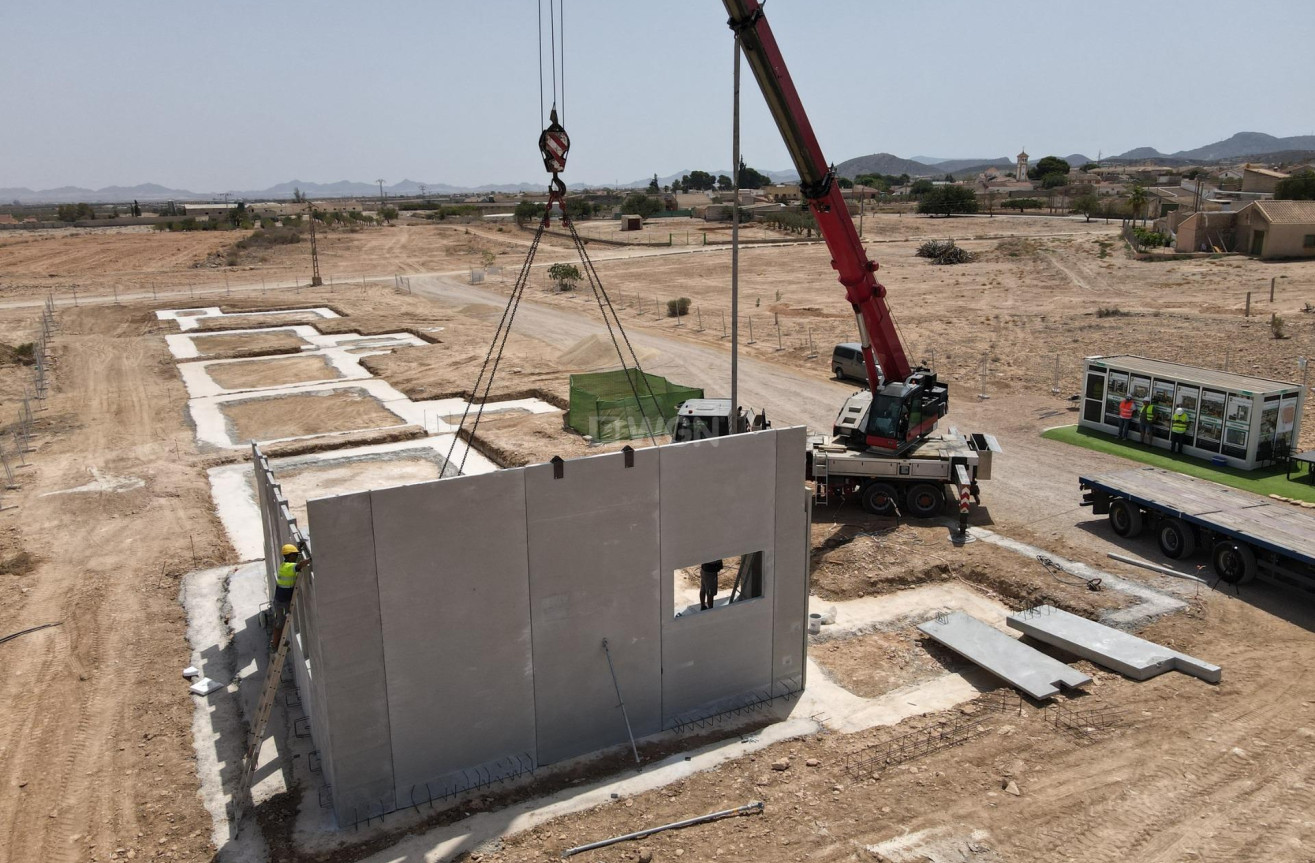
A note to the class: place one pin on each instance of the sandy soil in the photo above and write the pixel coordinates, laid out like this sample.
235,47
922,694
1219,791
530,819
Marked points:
96,752
271,373
308,414
874,664
97,755
301,484
241,322
247,344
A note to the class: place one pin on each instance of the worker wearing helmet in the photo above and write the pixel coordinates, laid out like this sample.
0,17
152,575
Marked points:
285,580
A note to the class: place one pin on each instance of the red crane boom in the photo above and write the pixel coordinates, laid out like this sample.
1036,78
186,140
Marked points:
906,404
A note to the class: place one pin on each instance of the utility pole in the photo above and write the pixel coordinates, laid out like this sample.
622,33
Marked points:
734,418
315,280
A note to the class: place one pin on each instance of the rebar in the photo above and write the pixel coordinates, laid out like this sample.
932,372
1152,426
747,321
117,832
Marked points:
872,760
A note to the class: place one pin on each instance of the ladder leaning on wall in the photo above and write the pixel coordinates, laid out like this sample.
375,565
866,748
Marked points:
273,677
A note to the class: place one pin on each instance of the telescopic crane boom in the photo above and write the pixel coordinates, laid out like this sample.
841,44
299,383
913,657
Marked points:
904,402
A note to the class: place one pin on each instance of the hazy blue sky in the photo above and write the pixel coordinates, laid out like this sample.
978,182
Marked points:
239,94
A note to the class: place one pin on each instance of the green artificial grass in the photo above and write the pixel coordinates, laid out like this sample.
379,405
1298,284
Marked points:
1265,481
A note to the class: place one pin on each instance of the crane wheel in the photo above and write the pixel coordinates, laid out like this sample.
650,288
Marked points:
1177,539
1125,518
1234,562
881,498
924,500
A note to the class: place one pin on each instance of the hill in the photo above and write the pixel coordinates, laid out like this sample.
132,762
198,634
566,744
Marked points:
885,163
1239,145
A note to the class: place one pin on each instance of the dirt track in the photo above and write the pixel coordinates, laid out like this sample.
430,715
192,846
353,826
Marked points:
96,753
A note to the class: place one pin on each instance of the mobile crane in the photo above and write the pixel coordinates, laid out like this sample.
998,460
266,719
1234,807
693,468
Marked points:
883,445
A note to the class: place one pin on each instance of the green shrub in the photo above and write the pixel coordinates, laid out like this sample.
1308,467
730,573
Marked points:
678,308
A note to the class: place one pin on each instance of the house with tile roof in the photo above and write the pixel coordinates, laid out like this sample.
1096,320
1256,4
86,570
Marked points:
1276,229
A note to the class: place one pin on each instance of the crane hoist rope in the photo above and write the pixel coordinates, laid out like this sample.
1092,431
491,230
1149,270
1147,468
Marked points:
554,146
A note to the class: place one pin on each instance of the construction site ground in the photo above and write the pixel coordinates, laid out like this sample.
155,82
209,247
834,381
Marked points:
96,752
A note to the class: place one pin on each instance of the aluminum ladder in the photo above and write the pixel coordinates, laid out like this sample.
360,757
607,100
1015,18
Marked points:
273,678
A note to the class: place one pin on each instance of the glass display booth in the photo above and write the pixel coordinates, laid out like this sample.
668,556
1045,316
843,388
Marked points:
1237,420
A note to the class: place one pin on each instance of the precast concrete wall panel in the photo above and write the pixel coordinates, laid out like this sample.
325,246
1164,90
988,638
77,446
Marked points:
594,574
453,576
718,501
456,626
790,598
718,498
348,667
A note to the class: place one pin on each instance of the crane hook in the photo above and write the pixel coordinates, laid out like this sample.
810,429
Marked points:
553,145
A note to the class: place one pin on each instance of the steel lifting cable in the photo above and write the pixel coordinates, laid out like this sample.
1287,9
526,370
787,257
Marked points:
600,294
498,343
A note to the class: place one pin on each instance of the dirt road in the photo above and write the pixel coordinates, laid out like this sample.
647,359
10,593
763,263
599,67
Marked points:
96,750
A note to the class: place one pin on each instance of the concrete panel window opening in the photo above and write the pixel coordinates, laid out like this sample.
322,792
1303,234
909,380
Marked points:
717,583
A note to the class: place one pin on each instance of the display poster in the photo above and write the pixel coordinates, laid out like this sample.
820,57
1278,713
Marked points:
1162,395
1210,425
1239,410
1287,418
1269,420
1189,398
1114,392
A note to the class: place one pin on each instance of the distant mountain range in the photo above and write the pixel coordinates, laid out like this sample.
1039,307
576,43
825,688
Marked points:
885,163
1257,144
1239,145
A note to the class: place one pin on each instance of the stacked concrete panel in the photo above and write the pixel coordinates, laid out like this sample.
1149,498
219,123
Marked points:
1112,648
458,624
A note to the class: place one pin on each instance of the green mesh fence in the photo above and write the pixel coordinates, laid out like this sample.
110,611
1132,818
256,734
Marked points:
603,404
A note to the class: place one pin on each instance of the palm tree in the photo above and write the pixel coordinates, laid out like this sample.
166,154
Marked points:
1138,199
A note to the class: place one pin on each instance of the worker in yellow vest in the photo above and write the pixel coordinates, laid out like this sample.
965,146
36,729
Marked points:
285,580
1178,425
1146,415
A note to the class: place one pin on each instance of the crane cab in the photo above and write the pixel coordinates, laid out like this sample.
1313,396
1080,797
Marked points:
894,418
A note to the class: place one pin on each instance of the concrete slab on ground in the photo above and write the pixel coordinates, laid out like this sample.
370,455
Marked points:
1020,666
1110,648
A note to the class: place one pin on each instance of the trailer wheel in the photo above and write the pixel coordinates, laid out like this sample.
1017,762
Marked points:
1177,539
1125,518
1234,562
881,498
924,500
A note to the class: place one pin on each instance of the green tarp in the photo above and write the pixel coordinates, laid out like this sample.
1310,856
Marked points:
603,404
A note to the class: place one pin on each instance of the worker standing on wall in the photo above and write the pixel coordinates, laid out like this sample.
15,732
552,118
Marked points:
1178,429
285,580
708,573
1147,414
1125,416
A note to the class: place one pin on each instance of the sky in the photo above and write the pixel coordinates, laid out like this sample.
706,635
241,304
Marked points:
240,95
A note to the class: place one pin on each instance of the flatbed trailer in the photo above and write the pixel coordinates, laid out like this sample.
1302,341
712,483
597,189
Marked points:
1246,535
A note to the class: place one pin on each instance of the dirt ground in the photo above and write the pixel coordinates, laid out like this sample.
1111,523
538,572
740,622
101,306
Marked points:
96,754
247,344
310,414
272,373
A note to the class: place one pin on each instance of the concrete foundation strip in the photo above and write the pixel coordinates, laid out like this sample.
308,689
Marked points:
1108,647
755,808
1020,666
1155,567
